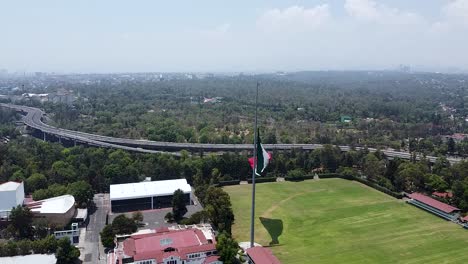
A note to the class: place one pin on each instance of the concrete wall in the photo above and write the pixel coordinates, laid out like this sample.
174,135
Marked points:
58,219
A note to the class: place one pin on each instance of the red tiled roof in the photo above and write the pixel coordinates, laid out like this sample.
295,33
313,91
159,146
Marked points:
151,246
443,194
178,239
157,255
433,202
129,247
459,136
201,236
261,255
166,255
162,229
28,199
465,219
195,249
211,259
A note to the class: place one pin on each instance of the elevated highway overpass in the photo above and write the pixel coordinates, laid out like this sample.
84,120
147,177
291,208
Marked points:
33,118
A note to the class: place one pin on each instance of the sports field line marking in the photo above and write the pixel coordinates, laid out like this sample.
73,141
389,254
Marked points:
270,210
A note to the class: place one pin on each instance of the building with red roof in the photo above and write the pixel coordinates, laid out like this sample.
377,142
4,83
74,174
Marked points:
431,205
193,244
464,219
443,195
261,255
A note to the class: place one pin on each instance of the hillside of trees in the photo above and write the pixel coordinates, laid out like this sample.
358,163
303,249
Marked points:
49,169
402,111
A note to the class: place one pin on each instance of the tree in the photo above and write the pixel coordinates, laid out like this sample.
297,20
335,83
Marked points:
435,183
62,172
348,172
137,217
460,194
410,177
227,248
21,220
178,205
169,217
107,236
196,218
41,194
41,228
24,247
18,176
295,174
82,191
123,225
451,145
440,164
329,157
218,208
11,249
373,167
35,182
66,252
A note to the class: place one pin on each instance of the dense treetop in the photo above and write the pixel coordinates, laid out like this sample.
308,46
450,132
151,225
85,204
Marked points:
388,109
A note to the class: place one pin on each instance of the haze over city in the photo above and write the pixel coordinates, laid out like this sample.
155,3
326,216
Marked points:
124,36
233,132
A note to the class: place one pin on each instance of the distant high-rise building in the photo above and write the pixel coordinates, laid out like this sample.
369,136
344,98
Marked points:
404,68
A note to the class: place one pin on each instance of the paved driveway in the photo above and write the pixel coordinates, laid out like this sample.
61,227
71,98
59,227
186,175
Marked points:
92,250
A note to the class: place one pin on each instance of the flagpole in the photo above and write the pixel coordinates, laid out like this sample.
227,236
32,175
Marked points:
252,216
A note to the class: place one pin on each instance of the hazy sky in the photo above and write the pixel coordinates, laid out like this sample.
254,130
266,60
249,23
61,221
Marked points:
241,35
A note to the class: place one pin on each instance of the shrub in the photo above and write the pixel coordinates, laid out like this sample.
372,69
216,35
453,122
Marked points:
169,217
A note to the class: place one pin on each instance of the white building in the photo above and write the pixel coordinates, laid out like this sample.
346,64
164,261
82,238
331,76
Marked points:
147,195
73,233
59,210
11,195
28,259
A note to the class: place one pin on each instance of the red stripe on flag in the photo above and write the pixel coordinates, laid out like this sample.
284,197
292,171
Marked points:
251,160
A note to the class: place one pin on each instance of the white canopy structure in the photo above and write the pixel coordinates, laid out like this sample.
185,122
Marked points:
147,195
147,189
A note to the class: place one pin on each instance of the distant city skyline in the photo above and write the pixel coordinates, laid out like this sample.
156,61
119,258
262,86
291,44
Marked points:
238,36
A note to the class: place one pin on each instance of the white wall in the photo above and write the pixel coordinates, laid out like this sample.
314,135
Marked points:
9,199
20,194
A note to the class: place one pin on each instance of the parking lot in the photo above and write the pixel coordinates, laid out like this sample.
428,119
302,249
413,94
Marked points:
155,218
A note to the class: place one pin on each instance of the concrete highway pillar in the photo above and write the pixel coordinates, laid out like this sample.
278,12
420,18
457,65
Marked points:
44,136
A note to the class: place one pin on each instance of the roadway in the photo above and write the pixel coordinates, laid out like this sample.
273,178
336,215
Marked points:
33,119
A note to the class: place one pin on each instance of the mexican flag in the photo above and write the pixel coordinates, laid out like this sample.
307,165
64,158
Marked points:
263,157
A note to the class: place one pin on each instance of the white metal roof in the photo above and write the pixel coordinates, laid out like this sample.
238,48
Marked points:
81,213
9,186
147,189
35,258
55,205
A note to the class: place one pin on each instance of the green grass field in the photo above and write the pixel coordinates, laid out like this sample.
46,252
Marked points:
340,221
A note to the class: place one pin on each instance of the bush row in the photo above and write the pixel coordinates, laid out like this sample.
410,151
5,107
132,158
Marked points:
379,188
26,247
262,179
227,183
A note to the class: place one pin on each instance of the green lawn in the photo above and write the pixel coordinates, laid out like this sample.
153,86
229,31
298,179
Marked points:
340,221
